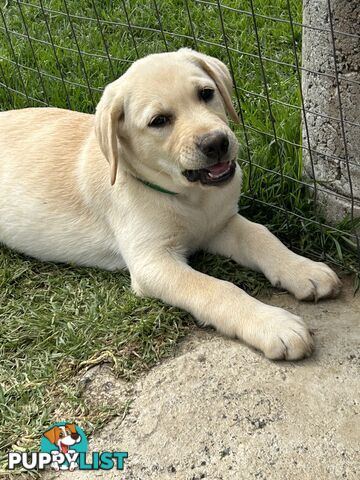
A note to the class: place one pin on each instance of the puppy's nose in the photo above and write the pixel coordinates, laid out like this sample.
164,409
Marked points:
75,436
214,145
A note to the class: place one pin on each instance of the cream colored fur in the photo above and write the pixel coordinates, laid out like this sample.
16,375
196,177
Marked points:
57,201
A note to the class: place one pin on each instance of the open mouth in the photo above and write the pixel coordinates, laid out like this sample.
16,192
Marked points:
64,448
215,175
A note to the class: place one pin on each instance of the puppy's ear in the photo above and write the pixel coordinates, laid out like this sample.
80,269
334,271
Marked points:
71,427
53,434
109,112
219,72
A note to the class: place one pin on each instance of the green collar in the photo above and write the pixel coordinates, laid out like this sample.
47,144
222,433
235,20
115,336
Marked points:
155,187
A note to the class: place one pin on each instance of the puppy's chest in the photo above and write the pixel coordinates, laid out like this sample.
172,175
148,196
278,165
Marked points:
206,221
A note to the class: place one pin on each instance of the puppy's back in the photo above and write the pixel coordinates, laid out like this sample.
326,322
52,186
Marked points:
40,142
42,212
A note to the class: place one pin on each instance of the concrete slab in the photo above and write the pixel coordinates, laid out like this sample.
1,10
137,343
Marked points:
222,411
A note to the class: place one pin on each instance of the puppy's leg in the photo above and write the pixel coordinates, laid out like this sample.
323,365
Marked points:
276,332
253,246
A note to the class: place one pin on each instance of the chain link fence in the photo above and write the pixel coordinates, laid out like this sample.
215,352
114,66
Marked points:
63,52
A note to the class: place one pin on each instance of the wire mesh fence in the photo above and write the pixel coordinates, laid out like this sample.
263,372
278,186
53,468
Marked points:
63,52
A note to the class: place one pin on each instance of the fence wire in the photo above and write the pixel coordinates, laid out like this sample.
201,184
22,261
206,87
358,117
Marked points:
63,52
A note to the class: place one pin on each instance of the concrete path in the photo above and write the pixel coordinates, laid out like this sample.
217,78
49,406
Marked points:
221,411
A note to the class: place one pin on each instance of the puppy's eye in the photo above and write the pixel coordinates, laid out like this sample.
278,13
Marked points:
206,94
159,121
61,435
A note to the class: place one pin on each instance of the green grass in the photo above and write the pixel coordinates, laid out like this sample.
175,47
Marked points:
57,320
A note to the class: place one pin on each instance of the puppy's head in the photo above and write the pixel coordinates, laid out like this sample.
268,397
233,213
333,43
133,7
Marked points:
63,436
165,118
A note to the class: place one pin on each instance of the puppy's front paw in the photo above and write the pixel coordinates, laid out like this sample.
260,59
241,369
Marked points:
73,466
283,336
308,280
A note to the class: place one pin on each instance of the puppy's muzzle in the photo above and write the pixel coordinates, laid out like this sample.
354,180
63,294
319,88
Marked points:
214,146
219,169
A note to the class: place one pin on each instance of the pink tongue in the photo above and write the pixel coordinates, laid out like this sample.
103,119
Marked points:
219,168
64,448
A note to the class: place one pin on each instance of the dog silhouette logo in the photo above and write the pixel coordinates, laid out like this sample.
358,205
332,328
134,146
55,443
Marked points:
64,441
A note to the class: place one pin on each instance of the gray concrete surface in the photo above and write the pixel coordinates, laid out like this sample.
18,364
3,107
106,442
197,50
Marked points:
321,96
219,410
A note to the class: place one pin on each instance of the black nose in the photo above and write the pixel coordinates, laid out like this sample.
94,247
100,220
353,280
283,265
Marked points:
75,436
214,145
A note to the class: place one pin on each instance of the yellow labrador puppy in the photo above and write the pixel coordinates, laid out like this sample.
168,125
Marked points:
173,188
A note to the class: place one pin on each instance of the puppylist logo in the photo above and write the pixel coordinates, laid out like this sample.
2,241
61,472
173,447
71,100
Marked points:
64,447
